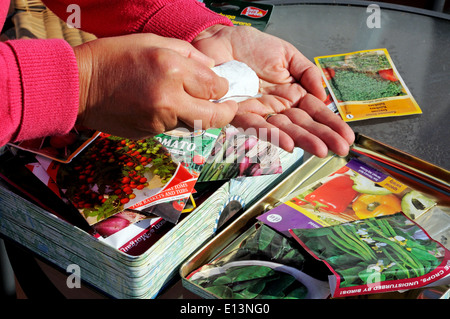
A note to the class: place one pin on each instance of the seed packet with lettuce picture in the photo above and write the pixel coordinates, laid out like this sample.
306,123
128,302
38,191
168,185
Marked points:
379,254
365,84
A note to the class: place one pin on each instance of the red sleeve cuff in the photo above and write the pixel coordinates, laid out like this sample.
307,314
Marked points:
49,78
187,21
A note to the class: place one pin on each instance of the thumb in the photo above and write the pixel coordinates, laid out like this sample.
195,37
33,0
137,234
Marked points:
208,114
187,50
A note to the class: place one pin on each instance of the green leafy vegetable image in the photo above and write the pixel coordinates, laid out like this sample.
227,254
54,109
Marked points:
354,86
266,265
361,76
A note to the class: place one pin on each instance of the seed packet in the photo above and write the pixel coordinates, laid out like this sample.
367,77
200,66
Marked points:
191,149
263,264
252,14
61,148
379,254
366,84
115,174
236,154
355,191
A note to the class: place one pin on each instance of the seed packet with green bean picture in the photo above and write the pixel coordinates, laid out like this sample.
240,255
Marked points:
379,254
366,84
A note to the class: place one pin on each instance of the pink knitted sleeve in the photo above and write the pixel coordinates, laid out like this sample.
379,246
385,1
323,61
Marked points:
39,78
182,19
38,89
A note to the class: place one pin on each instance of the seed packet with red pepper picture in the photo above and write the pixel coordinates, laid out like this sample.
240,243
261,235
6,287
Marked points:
353,192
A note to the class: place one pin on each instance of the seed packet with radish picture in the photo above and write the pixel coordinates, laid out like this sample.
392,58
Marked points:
366,84
237,154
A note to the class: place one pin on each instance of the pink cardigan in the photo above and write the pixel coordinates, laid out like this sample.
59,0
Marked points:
39,78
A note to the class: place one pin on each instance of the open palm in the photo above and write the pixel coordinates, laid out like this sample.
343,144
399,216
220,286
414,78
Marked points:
290,85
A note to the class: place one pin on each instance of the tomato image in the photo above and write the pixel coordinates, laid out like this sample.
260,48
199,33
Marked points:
178,205
388,75
329,73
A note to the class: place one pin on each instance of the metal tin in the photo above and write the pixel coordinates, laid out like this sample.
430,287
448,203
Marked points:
412,171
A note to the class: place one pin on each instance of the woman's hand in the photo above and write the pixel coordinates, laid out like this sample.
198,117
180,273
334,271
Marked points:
140,85
291,87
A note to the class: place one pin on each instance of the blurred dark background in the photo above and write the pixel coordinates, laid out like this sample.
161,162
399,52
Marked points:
440,5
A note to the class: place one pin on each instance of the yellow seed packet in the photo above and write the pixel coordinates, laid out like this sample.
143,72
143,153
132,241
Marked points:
365,84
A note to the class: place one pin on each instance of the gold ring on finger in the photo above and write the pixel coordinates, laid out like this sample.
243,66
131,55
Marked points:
268,116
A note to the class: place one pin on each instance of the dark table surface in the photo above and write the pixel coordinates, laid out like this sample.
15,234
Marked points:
419,44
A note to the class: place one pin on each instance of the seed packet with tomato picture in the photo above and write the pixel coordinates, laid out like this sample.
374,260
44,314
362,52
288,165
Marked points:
128,231
190,148
114,174
365,84
355,191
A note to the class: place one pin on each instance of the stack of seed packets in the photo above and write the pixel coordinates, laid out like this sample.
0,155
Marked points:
143,266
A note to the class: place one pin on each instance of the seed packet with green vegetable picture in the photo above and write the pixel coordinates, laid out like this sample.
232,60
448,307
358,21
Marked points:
263,264
380,254
366,84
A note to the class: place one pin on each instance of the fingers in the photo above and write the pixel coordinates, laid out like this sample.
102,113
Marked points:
256,124
321,114
311,80
307,74
201,82
315,128
183,48
207,114
308,134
